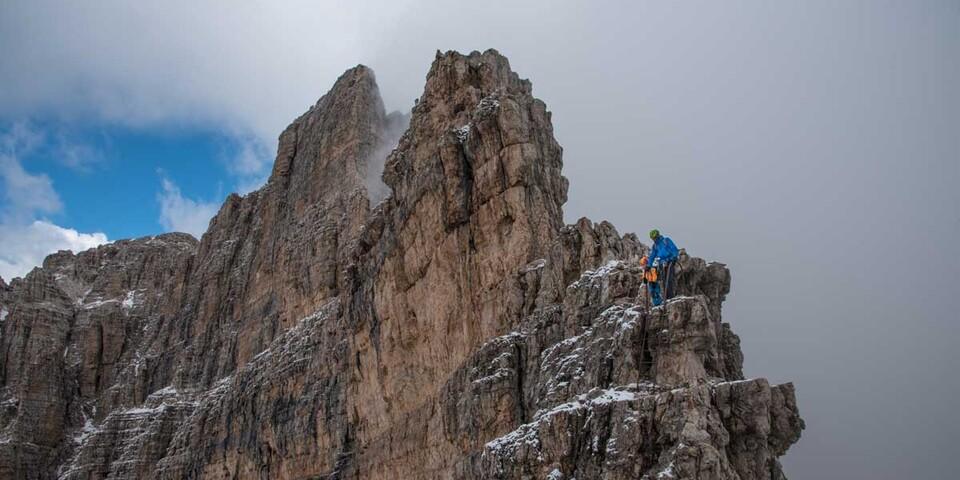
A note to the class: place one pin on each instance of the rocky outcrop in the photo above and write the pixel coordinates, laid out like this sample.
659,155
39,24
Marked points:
271,257
73,342
456,329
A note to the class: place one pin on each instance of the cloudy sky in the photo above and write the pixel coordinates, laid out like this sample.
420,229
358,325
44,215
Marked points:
812,146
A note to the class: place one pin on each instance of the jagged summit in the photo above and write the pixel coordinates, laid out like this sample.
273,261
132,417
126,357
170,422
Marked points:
350,119
456,328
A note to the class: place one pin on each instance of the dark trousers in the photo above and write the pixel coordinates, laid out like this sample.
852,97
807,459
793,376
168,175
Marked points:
666,285
669,280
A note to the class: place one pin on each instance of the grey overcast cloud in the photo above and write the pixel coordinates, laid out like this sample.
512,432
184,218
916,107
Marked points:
814,147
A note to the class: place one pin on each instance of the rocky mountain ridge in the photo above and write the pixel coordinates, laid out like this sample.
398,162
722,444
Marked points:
456,329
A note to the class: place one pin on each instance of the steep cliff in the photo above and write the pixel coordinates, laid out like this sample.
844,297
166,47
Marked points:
456,329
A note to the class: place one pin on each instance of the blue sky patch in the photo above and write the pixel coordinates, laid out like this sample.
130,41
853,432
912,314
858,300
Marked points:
117,185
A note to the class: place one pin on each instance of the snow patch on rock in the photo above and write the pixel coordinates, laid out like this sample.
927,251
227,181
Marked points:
134,298
463,132
85,432
526,434
590,275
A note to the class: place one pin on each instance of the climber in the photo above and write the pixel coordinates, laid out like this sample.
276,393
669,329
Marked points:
663,255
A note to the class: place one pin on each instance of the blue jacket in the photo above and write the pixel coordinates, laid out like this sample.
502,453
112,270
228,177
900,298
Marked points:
664,249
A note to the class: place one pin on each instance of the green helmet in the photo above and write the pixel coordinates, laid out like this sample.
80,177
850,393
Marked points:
654,234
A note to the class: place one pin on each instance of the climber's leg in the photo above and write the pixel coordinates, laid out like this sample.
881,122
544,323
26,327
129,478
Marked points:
655,296
669,282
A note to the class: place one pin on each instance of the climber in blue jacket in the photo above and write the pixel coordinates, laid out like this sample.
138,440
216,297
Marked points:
663,249
663,254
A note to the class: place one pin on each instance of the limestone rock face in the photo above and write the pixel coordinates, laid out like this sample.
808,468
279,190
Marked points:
271,257
456,329
72,343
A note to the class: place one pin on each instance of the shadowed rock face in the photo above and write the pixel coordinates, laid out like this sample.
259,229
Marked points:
457,329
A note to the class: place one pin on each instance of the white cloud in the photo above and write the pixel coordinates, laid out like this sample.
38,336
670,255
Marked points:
182,214
246,69
77,156
25,247
25,194
249,164
248,184
21,138
25,239
251,158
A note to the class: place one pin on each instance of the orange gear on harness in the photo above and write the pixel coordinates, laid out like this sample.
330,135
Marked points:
649,274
